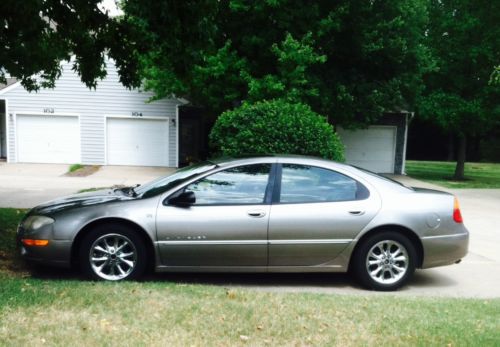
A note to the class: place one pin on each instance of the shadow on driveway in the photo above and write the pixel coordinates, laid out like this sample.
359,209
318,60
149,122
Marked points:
423,282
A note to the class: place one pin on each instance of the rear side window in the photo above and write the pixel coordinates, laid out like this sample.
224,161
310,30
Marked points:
303,184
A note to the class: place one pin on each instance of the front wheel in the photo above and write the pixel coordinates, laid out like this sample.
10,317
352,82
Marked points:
385,261
113,252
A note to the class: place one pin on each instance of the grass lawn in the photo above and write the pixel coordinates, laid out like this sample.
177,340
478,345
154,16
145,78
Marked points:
60,309
478,175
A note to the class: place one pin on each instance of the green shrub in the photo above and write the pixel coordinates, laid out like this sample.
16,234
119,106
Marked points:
275,127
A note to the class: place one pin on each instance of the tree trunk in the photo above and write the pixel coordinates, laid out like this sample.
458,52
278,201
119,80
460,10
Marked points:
459,169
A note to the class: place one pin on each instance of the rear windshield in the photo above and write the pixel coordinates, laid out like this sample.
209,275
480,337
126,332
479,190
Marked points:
379,176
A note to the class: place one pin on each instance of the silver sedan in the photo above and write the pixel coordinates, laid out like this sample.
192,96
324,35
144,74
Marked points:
259,214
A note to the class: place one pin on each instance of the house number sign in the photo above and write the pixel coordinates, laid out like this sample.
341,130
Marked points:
48,110
136,114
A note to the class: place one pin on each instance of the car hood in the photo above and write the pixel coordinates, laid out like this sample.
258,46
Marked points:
81,200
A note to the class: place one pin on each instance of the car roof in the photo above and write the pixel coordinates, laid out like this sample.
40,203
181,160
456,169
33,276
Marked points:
280,158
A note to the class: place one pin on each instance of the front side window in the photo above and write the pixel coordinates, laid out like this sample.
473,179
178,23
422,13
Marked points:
303,184
236,186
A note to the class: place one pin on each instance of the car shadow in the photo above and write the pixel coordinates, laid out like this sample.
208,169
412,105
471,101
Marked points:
261,280
286,282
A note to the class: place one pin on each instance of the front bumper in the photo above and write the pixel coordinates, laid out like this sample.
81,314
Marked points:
444,249
56,253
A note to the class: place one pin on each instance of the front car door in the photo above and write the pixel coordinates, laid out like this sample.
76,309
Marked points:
316,214
226,226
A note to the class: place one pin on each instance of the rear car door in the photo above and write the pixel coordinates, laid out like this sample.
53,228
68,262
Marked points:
316,214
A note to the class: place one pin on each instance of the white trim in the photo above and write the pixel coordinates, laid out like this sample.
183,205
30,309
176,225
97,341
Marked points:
23,113
9,88
176,136
56,114
106,116
105,137
7,130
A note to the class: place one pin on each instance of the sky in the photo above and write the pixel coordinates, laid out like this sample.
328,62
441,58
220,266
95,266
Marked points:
110,5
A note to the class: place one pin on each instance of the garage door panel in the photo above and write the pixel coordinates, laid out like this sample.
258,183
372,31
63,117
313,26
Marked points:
372,148
141,142
48,139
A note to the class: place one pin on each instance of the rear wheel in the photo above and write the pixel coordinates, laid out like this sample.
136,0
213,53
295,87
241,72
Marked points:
113,252
385,261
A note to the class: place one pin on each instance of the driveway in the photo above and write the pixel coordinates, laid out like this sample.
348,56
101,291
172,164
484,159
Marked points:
26,185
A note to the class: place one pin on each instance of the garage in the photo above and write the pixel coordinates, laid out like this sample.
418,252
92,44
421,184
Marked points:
373,148
48,139
137,141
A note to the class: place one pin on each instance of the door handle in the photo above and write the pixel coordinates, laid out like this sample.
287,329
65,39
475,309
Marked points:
256,213
357,213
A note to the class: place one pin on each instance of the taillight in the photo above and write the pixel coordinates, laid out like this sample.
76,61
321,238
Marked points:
457,216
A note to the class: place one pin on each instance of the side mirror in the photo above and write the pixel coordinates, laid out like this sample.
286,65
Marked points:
184,199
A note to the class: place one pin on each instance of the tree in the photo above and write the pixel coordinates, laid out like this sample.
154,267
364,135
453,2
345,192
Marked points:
37,35
348,60
495,75
464,36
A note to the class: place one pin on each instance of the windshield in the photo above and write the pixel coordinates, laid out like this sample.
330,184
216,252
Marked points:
165,183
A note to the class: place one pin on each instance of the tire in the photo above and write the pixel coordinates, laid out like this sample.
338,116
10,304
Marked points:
113,252
377,269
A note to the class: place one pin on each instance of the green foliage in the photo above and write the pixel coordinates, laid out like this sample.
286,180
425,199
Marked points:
275,127
9,219
495,75
37,35
74,167
350,59
464,37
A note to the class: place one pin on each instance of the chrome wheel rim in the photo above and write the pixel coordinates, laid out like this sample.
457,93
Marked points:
113,257
387,262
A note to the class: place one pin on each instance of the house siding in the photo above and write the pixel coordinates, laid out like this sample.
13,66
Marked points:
110,98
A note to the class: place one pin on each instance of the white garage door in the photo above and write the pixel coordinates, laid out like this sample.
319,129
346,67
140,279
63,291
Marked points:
373,148
134,141
48,139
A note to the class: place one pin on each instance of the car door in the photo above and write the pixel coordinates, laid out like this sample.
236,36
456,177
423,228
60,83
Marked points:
316,214
226,226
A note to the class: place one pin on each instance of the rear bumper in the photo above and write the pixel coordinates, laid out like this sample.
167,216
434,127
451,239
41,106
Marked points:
444,249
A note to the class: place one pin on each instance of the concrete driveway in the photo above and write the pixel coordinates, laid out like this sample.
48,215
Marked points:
26,185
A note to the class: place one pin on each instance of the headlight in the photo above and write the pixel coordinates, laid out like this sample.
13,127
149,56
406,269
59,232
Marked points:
33,223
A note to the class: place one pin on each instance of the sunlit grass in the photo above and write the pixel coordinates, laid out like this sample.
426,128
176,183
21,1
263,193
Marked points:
34,311
478,175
